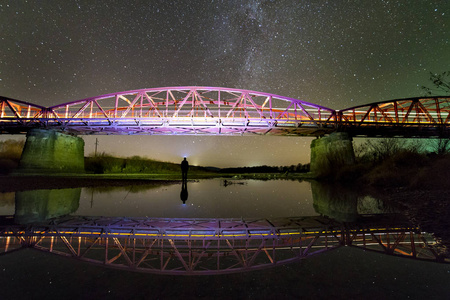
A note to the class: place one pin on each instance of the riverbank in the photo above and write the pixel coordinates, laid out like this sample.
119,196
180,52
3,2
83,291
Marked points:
35,182
406,170
22,182
429,209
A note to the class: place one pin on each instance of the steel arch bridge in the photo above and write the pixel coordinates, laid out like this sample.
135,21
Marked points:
225,111
213,246
173,110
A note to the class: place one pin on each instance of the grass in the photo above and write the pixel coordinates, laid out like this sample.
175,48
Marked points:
107,164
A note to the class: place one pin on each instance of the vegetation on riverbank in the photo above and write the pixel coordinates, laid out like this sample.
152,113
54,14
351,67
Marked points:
103,163
393,163
300,168
108,164
380,164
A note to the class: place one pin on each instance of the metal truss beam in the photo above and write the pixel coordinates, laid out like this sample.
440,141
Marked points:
414,117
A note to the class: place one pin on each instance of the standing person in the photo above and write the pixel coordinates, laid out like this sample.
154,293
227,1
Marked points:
184,169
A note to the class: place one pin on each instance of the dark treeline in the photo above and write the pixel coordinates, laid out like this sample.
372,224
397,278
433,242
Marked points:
300,168
105,163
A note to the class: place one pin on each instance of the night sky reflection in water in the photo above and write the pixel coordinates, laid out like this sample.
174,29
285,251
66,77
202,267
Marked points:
206,199
342,274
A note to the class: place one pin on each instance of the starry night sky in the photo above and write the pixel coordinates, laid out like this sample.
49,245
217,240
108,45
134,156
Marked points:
333,53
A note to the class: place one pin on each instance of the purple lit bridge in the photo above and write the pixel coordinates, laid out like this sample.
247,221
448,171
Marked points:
193,110
213,246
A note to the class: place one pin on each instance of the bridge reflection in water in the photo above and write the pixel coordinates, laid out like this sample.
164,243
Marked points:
213,246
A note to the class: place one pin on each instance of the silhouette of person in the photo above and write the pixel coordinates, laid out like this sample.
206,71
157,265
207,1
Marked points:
184,169
184,192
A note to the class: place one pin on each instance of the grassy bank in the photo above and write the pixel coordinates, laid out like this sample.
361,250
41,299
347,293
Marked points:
107,164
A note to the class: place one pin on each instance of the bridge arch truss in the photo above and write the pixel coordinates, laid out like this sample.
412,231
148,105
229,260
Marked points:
180,110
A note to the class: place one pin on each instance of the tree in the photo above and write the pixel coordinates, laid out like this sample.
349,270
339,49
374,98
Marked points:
441,87
441,146
441,84
382,149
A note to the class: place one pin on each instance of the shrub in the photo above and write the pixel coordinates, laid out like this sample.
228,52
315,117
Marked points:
109,164
435,175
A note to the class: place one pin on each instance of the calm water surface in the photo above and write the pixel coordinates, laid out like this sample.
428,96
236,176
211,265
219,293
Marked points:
206,199
211,198
345,273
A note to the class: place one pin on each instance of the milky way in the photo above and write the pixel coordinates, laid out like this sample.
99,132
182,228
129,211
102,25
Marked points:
333,53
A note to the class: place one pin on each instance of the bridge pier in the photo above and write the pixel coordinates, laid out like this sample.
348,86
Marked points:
41,205
331,152
50,151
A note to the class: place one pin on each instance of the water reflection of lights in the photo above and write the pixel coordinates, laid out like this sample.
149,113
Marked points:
211,246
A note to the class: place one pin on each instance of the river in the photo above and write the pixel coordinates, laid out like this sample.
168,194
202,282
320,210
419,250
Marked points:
345,272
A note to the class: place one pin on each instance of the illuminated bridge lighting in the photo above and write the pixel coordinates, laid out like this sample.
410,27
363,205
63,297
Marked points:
212,246
426,116
175,110
192,110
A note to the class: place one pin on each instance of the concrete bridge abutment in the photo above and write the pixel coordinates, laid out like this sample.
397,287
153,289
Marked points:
41,205
330,153
51,151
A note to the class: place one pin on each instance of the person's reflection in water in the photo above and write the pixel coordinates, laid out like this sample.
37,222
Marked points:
184,169
184,191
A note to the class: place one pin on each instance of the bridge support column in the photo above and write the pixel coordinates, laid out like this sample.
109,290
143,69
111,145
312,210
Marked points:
50,151
41,205
330,153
